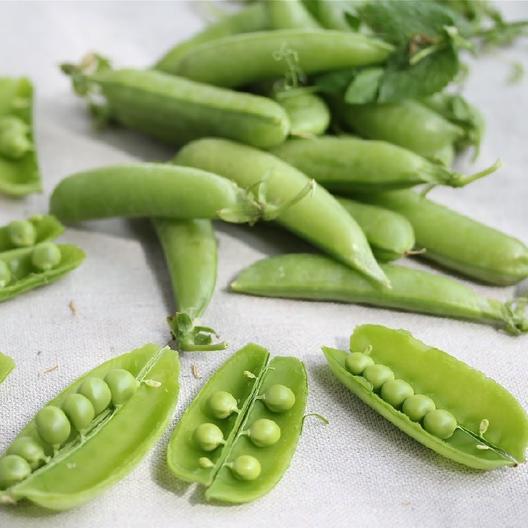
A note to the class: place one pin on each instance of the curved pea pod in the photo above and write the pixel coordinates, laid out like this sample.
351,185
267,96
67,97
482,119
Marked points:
116,440
290,14
23,275
317,217
491,427
19,172
41,229
389,234
458,242
334,15
7,364
245,59
307,276
347,165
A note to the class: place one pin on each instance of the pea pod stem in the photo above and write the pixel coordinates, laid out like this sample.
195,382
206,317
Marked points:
461,180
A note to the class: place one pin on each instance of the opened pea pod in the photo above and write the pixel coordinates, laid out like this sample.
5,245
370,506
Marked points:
6,366
239,434
94,432
458,412
26,233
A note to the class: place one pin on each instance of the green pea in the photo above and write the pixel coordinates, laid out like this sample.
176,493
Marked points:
98,392
53,425
279,398
46,256
440,423
246,467
417,406
14,141
29,449
79,410
13,469
222,404
22,233
5,274
122,385
378,375
396,392
205,463
208,436
357,362
264,432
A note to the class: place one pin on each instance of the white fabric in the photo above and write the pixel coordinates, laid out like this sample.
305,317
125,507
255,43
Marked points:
358,471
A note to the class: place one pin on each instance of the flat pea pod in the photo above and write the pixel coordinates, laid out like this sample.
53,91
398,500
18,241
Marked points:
290,14
241,60
7,364
19,171
477,422
318,217
458,242
308,276
350,165
25,233
113,443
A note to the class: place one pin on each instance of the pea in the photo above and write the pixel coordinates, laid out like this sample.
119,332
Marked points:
378,375
264,432
5,274
46,256
357,362
205,463
29,449
208,436
14,141
440,423
79,410
22,233
246,467
122,385
222,404
396,392
13,469
53,425
98,392
279,398
417,406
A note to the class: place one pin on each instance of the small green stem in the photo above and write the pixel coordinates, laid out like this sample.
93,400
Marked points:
460,180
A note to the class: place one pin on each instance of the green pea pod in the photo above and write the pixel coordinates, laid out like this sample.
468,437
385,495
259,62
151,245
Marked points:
290,14
307,276
6,366
335,15
389,234
347,165
318,217
42,228
19,172
24,274
247,379
252,57
491,427
116,439
458,242
191,255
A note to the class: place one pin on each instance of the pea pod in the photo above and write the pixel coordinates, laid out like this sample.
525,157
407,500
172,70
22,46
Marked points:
306,276
473,420
334,15
317,218
7,364
83,465
254,414
290,14
24,233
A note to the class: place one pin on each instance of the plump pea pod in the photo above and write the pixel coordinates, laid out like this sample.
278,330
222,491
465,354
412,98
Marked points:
24,269
25,233
290,14
191,255
477,422
253,412
307,276
318,217
347,165
389,234
334,15
7,364
245,59
131,398
19,172
458,242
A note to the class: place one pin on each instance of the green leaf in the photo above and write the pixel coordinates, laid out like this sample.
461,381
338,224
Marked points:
336,82
365,86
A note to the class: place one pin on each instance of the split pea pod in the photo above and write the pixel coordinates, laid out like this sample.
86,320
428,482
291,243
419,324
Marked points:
458,242
315,277
94,432
436,399
25,233
6,366
318,217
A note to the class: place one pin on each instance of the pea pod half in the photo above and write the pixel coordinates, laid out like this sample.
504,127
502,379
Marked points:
6,366
129,399
239,434
25,233
438,400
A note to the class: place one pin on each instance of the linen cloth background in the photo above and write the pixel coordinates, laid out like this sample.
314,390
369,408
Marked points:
358,471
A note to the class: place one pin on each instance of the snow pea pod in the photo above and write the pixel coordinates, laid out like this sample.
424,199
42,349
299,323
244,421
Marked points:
458,242
25,233
290,14
6,366
318,217
144,389
315,277
471,419
347,165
